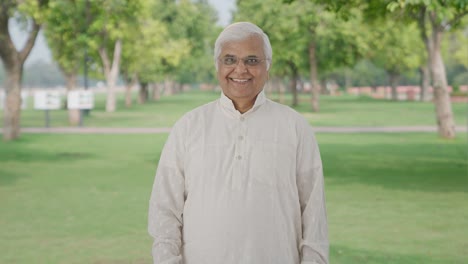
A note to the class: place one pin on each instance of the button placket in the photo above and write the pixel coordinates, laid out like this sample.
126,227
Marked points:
239,156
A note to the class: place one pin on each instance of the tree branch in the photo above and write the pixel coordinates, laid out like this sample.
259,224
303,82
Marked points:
456,19
422,23
105,60
23,54
7,48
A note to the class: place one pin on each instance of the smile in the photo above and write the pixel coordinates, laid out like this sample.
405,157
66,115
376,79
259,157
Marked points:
239,80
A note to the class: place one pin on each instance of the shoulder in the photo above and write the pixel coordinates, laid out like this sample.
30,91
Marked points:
195,116
285,112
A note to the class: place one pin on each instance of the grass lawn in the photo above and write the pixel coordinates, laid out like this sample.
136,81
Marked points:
391,198
335,111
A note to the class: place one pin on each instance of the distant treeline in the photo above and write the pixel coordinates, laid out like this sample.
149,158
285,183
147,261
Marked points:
48,75
42,74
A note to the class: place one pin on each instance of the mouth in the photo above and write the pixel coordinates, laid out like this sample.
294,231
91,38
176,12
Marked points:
239,81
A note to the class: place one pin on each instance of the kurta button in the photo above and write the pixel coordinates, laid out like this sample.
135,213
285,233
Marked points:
241,137
242,118
239,157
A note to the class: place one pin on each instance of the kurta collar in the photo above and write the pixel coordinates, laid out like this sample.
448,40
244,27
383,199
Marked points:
228,105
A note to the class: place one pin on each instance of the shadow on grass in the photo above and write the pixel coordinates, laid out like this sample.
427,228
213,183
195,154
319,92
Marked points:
25,156
17,154
346,255
420,167
8,177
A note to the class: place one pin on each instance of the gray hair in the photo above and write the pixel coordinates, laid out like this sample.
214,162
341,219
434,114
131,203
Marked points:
240,31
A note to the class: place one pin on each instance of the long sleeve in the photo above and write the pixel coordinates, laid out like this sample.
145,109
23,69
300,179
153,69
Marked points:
167,202
314,246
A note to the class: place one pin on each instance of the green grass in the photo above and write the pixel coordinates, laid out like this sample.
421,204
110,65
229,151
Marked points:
335,111
391,198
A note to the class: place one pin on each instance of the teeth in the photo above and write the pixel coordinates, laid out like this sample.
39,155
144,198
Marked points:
240,80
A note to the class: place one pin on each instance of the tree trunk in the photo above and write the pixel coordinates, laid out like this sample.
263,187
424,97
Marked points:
73,114
144,93
156,91
324,88
348,79
443,105
268,88
393,79
111,71
281,90
315,89
13,62
128,95
293,82
168,86
425,82
131,82
177,87
12,108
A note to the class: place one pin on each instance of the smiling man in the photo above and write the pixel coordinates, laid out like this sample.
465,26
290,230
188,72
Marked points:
240,179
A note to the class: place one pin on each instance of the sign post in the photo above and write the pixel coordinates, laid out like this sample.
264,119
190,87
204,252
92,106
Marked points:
47,100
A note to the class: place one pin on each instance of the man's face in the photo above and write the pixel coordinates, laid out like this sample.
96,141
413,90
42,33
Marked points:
242,82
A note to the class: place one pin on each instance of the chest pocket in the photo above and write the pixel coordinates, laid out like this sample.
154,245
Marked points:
271,164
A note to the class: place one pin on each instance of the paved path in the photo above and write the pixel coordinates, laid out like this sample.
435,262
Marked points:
322,129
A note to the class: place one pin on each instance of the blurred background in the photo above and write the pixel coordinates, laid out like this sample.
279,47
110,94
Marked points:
383,83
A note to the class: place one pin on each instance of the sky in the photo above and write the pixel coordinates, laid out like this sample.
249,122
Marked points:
41,52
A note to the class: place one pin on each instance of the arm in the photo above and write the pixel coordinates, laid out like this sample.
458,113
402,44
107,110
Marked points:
167,202
314,245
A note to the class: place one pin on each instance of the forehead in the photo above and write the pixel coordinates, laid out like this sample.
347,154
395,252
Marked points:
250,46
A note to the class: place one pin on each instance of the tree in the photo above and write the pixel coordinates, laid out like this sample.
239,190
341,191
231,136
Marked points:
65,31
159,53
277,21
395,48
195,21
310,32
31,13
434,19
109,22
456,56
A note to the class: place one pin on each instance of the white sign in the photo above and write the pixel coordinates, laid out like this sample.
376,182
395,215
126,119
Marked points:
80,99
47,100
24,100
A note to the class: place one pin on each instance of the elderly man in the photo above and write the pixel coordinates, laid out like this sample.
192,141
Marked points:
240,179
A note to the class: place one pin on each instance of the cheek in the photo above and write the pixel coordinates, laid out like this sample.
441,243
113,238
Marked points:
222,75
261,77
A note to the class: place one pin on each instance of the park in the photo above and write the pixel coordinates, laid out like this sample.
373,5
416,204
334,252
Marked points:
75,181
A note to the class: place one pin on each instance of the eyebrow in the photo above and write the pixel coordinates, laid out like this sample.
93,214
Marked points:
249,56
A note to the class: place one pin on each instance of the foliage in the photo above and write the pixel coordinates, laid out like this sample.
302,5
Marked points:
174,39
291,27
456,55
396,47
48,75
110,21
65,32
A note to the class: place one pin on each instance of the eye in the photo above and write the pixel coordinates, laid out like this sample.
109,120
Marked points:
252,61
229,60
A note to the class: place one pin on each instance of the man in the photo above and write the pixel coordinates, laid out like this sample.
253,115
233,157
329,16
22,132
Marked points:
240,179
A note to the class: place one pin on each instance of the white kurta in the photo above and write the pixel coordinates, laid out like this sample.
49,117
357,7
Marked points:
239,188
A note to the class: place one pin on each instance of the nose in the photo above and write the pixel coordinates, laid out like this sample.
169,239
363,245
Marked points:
240,66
